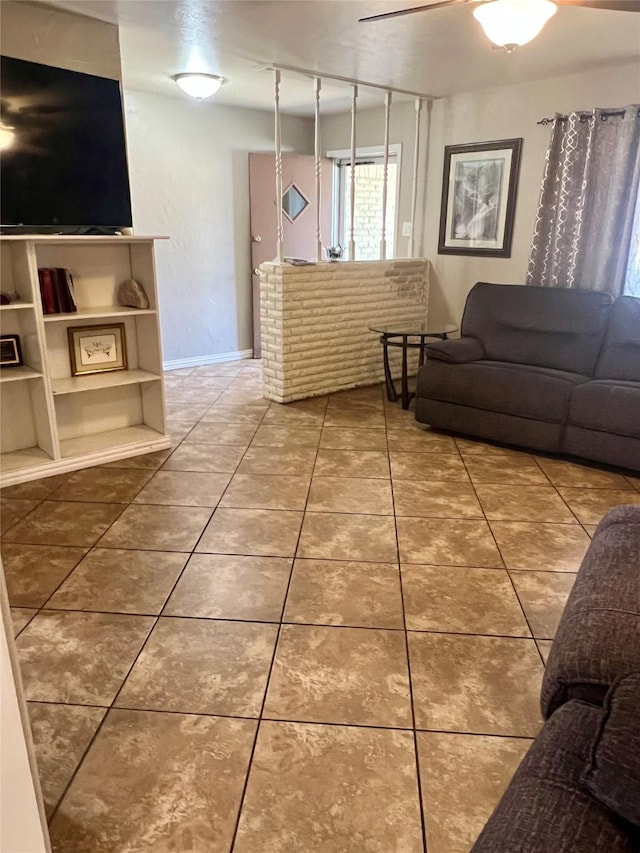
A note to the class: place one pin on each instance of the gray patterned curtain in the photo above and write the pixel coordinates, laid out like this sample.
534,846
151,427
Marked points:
587,203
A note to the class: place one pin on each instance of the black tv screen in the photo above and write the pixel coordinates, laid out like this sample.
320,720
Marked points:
66,163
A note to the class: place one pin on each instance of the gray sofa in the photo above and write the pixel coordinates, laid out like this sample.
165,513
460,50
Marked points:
578,788
551,369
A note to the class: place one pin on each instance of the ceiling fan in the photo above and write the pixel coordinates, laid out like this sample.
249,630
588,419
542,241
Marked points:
511,23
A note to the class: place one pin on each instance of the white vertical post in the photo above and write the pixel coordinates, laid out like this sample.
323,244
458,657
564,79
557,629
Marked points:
385,175
352,211
278,131
414,189
318,154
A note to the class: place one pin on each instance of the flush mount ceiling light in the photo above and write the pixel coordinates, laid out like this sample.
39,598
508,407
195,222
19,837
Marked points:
7,136
199,85
510,23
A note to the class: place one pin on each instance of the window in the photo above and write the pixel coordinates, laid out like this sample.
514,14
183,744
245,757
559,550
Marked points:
369,179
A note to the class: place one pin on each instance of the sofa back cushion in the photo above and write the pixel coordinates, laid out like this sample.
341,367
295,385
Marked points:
547,327
620,354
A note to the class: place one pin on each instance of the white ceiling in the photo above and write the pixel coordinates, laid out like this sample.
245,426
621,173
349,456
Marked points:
435,53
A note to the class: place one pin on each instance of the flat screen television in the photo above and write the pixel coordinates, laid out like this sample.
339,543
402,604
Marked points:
64,164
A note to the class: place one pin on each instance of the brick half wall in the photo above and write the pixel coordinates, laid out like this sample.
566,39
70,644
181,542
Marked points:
315,319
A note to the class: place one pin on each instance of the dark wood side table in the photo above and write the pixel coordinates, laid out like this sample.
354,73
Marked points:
409,336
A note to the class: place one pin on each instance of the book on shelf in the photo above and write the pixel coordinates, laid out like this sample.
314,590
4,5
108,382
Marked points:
57,291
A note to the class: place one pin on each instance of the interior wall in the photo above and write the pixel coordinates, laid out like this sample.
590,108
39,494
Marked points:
43,34
189,170
503,114
335,133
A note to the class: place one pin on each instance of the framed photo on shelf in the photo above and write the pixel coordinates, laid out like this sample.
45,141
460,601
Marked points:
95,349
479,187
10,351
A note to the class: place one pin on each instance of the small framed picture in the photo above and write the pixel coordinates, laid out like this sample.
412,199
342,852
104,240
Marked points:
94,349
10,351
479,187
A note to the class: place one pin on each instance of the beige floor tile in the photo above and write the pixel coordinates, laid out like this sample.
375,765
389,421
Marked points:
348,494
340,675
234,414
243,398
20,618
36,490
215,432
447,542
184,488
198,381
479,447
561,472
64,523
331,592
278,460
463,778
543,596
633,481
428,467
278,435
185,411
61,734
349,438
420,441
210,458
352,463
330,788
466,684
157,528
178,430
218,586
118,581
79,658
398,418
435,499
347,536
146,460
252,532
33,572
357,398
591,529
201,666
157,782
590,505
292,416
266,491
513,471
523,503
544,647
461,600
12,510
358,418
541,547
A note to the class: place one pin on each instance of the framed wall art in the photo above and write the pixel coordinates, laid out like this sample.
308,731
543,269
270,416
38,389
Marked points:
10,351
94,349
479,188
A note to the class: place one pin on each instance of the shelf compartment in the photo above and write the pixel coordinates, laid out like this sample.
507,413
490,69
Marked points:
28,457
103,311
14,374
121,440
96,381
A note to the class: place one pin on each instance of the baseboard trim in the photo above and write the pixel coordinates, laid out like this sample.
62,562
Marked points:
207,359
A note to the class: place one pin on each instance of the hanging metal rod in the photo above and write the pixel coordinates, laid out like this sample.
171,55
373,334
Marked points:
351,80
584,116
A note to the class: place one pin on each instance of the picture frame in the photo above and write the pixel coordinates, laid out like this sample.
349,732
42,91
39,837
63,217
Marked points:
97,349
10,351
479,190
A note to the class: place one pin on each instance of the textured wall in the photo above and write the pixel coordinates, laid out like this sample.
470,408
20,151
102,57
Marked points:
315,336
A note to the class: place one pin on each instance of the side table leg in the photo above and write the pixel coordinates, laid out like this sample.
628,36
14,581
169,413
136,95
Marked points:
405,378
392,397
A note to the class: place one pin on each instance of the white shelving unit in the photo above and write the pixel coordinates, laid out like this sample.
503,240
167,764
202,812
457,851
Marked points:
51,421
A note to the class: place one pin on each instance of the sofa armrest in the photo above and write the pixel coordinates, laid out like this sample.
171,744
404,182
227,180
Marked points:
459,351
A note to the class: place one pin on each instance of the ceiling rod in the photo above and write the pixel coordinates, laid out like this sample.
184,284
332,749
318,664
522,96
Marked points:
352,80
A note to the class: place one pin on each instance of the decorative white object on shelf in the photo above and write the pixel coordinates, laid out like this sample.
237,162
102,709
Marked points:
52,420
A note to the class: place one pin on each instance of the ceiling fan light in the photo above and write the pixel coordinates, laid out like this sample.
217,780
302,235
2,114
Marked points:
509,23
199,85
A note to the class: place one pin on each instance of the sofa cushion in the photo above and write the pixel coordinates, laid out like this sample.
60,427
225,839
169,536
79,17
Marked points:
514,389
549,327
620,354
613,776
458,351
597,638
547,808
607,405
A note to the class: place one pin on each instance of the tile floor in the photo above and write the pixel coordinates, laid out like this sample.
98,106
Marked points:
314,627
